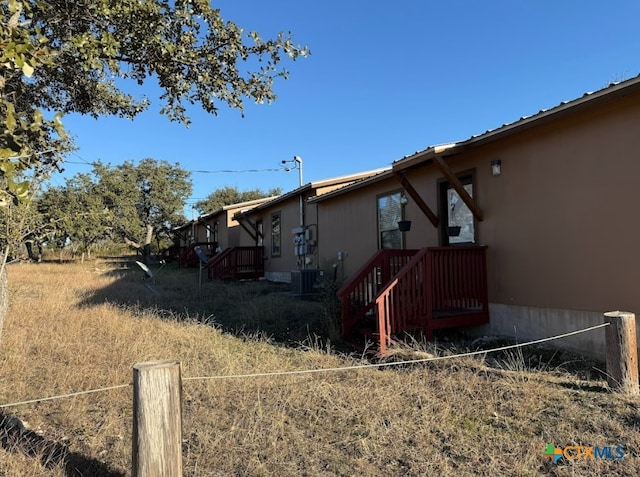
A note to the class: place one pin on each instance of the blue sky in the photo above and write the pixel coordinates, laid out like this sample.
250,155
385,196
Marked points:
385,79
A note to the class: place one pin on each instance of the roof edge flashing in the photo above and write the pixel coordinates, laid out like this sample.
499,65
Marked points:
444,148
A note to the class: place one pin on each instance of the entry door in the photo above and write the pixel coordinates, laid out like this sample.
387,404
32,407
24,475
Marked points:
458,223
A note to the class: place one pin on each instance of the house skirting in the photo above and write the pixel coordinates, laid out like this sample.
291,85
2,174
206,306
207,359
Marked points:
283,277
526,323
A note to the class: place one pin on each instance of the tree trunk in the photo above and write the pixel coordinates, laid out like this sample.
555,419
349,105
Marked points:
143,248
146,249
4,293
32,256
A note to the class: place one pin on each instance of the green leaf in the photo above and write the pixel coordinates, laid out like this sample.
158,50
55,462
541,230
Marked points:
21,190
37,117
27,70
7,168
10,120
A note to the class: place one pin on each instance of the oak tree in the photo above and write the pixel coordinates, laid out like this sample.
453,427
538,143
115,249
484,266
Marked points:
232,195
84,56
143,201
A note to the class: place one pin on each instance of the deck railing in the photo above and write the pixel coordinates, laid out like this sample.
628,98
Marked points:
189,258
237,262
441,287
459,278
358,294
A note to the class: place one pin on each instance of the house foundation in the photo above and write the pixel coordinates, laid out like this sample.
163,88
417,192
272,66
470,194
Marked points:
526,323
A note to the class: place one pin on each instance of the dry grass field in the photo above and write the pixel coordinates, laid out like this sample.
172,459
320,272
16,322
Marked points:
75,327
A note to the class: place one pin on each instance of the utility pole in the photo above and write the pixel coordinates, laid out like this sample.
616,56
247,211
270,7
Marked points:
297,164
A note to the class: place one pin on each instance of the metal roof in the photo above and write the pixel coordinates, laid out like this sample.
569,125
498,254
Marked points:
312,186
611,92
383,174
240,205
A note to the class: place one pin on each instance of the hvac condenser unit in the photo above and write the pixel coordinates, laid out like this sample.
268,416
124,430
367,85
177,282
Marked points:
304,282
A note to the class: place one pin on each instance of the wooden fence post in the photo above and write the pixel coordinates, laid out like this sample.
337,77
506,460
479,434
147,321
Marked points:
157,419
622,352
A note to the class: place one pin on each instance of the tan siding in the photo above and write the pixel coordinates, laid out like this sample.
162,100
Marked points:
290,218
561,221
348,224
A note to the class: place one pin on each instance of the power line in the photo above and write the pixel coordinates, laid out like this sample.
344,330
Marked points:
223,171
195,171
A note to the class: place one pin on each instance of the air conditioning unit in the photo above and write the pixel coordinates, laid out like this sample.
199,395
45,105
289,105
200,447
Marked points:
304,282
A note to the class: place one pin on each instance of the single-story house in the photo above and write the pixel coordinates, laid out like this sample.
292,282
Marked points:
212,232
359,219
183,236
221,228
287,228
550,199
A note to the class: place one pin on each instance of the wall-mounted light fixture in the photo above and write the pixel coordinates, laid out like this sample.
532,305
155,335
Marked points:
496,167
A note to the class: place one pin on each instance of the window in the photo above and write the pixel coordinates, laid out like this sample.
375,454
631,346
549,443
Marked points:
215,231
459,226
276,234
259,233
389,214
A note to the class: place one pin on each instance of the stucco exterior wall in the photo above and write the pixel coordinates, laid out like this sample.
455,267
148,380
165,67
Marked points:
183,235
199,233
279,267
348,227
228,228
561,222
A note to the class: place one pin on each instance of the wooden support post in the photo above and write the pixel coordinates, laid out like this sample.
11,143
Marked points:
157,419
622,352
433,218
455,182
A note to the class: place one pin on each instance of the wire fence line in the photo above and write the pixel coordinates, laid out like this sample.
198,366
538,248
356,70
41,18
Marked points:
323,370
61,396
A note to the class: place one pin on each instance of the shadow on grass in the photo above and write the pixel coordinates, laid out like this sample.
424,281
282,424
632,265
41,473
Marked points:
14,437
592,388
242,308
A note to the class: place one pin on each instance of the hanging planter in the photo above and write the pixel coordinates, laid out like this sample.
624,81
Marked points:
404,225
453,231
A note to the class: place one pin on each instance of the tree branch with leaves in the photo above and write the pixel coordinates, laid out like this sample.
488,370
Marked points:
77,56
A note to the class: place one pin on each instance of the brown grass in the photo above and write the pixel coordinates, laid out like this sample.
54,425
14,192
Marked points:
78,327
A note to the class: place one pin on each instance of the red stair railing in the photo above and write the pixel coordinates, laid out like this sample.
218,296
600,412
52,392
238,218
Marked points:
237,262
357,295
441,287
189,258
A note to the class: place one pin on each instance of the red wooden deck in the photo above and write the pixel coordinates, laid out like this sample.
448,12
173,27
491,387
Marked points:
438,287
358,293
237,263
189,258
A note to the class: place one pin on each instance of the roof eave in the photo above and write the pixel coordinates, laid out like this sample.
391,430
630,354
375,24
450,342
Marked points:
385,174
575,106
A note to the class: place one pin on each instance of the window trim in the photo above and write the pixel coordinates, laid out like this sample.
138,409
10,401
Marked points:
259,233
216,231
443,185
277,236
379,231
